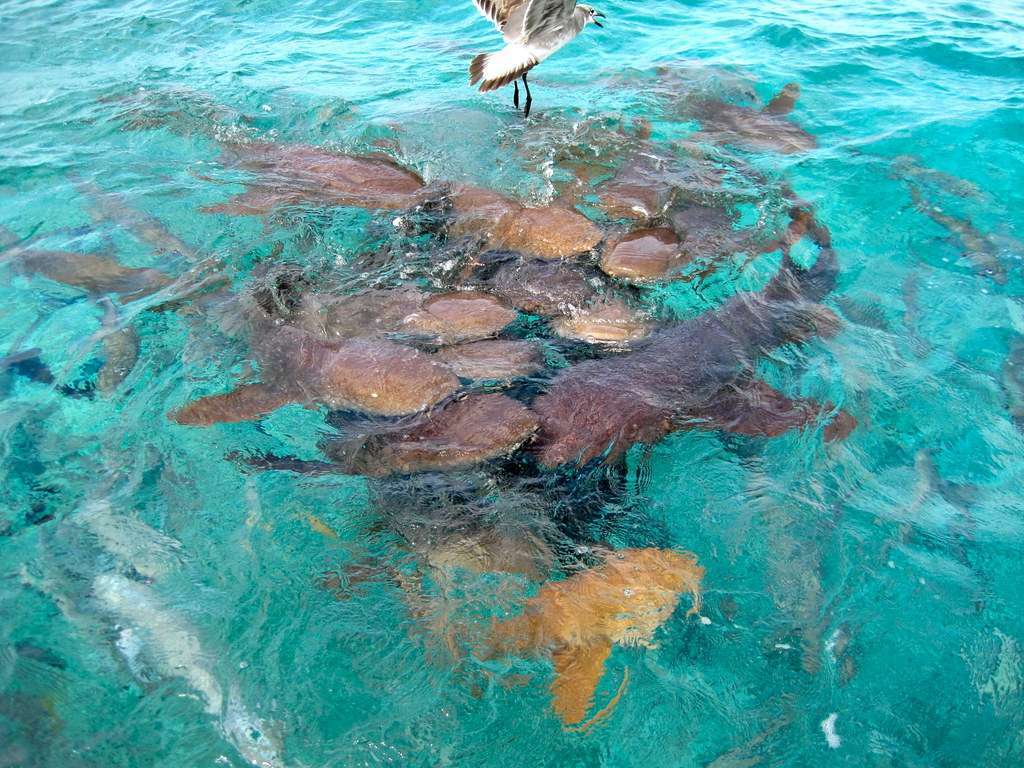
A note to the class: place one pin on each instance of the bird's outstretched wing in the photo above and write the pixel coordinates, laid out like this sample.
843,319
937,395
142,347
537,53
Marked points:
498,11
546,16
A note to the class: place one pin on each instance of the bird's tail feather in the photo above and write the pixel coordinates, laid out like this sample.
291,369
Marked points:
494,70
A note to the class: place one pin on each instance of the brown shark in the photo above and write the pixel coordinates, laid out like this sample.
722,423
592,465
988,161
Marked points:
459,316
549,232
455,436
443,318
579,300
469,431
685,213
754,129
604,320
695,373
644,254
120,343
93,273
374,376
642,188
493,359
293,174
478,210
539,287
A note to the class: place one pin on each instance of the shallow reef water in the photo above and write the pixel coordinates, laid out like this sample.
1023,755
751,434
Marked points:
350,419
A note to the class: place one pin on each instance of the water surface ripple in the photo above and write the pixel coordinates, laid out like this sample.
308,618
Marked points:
166,603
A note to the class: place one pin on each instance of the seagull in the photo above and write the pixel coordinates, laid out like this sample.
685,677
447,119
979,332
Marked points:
533,30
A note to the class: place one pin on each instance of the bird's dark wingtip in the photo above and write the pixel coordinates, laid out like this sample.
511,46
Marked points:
476,68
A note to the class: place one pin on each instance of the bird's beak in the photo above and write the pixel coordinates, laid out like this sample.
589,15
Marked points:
598,23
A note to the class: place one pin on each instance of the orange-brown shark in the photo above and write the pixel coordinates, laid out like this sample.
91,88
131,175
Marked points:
578,620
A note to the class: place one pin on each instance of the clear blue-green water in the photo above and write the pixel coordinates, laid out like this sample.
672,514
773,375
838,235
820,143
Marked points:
876,578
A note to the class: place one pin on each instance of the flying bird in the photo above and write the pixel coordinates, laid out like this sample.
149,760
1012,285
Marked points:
533,30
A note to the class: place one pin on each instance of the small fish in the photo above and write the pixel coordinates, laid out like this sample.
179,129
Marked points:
270,462
27,363
838,647
996,667
31,728
958,535
120,349
912,315
870,315
203,281
752,752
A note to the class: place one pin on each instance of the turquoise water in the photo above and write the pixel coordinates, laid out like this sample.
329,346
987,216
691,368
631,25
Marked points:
876,578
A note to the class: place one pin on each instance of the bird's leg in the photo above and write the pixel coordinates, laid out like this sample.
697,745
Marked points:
529,98
515,96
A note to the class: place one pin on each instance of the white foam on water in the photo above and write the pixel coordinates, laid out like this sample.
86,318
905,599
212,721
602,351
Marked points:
828,727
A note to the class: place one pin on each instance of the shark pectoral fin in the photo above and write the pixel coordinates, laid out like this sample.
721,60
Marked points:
755,409
244,403
578,670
